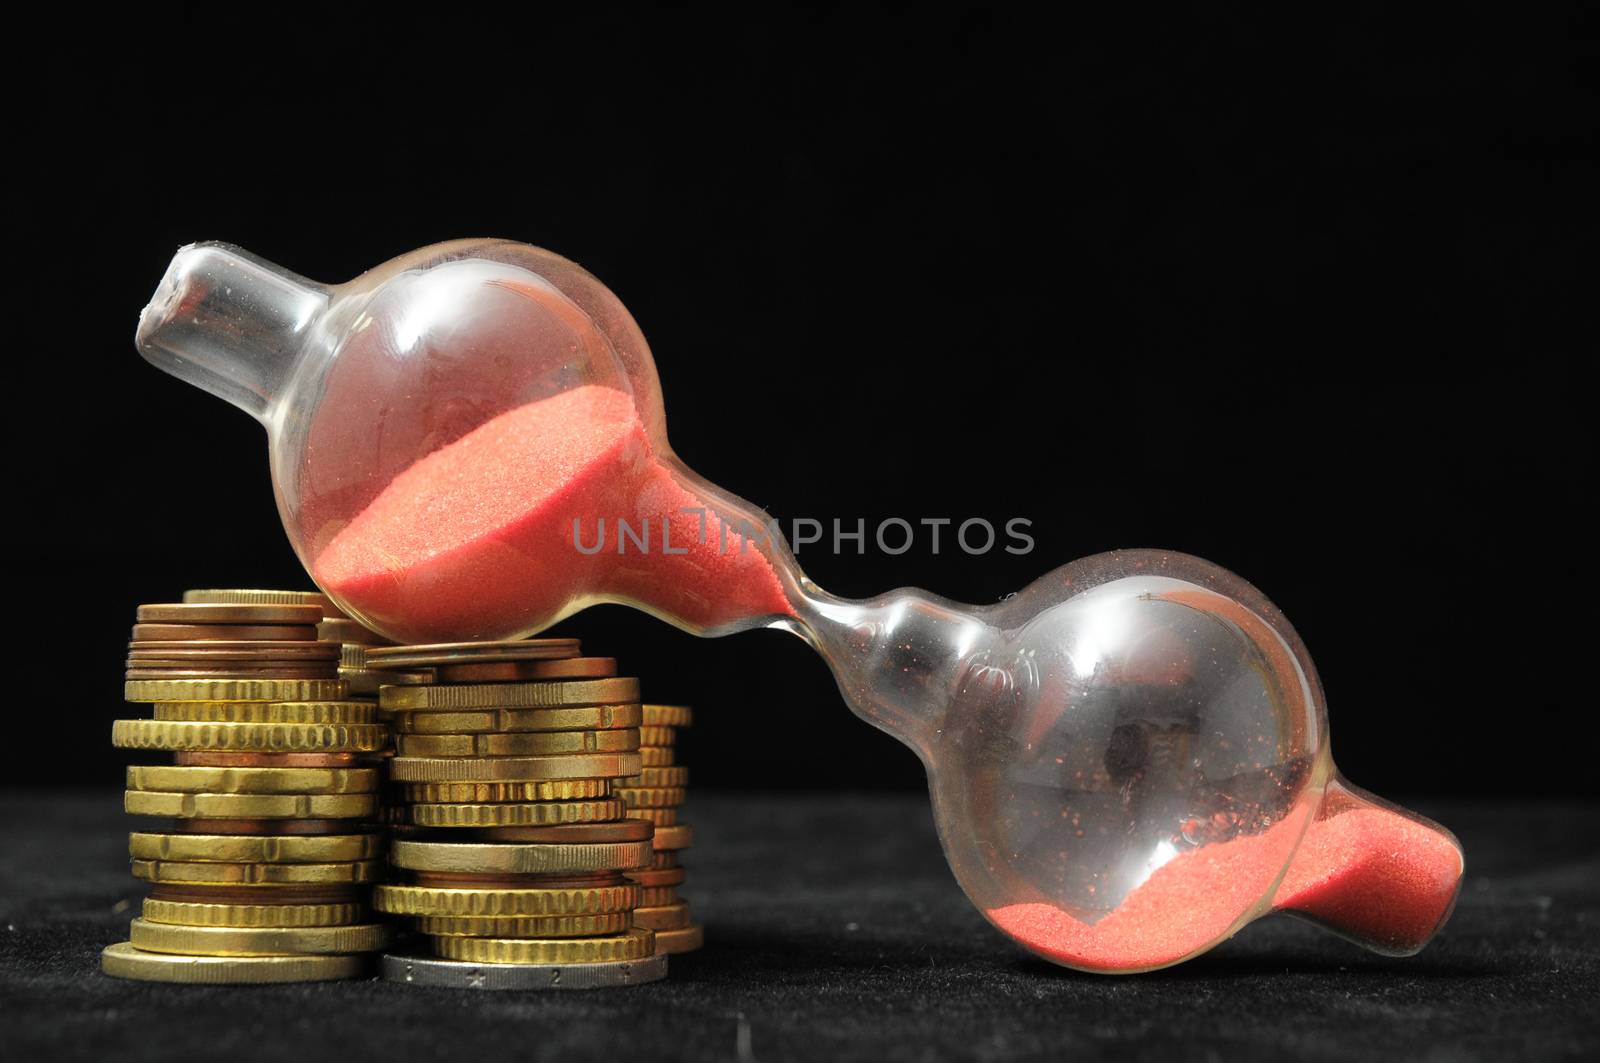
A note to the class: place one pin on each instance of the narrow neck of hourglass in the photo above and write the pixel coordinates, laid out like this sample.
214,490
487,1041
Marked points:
230,324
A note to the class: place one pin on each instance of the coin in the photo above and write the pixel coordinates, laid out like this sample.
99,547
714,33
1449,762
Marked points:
523,744
252,780
182,913
661,817
655,756
662,917
268,737
585,718
303,712
472,652
230,650
521,926
201,825
271,896
663,860
668,715
255,849
555,694
651,778
249,806
652,796
234,690
630,945
685,939
482,792
524,671
657,736
657,896
223,759
517,858
451,974
618,830
256,596
243,874
401,899
227,613
513,769
161,633
255,940
124,961
669,877
343,629
679,836
158,672
509,814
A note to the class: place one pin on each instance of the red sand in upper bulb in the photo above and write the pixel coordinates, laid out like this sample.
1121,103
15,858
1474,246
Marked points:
476,539
1374,875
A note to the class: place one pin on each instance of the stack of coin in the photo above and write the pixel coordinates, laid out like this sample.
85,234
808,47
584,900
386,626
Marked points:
513,865
264,875
655,794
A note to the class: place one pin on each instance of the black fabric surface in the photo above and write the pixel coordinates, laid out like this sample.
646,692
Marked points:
834,931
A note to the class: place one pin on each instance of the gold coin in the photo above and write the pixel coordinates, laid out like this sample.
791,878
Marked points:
518,859
301,712
585,718
526,671
652,796
192,913
617,830
513,769
258,596
661,817
631,945
256,941
124,961
244,874
657,736
665,877
522,926
266,737
684,939
227,613
650,778
668,715
556,694
399,899
473,652
656,756
173,779
234,690
249,806
677,836
255,848
486,792
657,896
531,744
662,916
146,633
529,814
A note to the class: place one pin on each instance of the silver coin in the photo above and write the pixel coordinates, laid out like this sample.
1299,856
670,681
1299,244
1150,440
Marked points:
454,974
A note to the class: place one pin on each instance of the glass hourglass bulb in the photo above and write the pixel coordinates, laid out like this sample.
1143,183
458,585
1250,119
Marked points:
1128,760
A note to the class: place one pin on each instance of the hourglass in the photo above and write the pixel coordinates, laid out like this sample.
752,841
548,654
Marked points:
1128,760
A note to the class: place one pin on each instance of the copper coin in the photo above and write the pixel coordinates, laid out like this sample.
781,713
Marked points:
237,650
268,826
522,671
627,830
222,759
342,629
223,613
233,632
671,876
201,894
471,652
149,670
458,880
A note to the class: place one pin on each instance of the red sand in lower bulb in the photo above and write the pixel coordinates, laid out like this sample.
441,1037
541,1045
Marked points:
1371,874
476,539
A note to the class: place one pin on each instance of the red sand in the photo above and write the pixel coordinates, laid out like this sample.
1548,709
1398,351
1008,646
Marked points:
1368,873
476,539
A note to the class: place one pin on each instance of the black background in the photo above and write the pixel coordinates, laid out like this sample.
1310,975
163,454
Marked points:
1305,299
